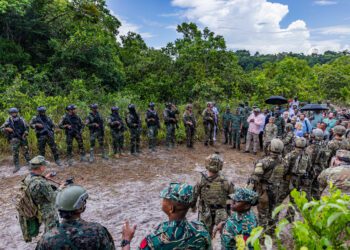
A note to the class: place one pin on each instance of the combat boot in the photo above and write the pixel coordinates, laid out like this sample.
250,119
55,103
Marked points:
104,155
91,158
58,163
83,158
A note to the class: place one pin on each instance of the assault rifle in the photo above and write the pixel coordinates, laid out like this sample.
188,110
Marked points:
45,128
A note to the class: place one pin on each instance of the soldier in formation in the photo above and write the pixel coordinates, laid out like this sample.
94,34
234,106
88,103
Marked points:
153,124
190,123
170,121
209,123
16,131
44,130
133,121
279,121
338,142
74,232
270,133
117,127
95,123
73,126
213,191
226,123
288,139
236,128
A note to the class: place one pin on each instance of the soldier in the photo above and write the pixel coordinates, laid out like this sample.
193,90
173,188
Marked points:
42,193
73,126
209,122
44,129
170,121
245,114
94,122
288,139
338,173
73,232
279,121
338,142
133,121
242,219
117,126
236,127
190,123
315,152
153,124
226,122
213,191
270,182
270,132
177,232
16,130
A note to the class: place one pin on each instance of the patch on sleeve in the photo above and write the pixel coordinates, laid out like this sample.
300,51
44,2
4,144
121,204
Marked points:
144,243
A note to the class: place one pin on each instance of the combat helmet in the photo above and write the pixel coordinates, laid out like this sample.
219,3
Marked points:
289,126
131,107
189,106
214,162
71,198
276,146
300,142
114,108
151,104
318,134
13,110
94,106
339,130
41,109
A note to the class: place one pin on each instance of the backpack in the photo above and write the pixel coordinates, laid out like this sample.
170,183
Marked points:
24,202
301,165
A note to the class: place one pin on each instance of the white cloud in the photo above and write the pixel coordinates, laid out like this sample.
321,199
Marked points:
325,2
334,30
255,25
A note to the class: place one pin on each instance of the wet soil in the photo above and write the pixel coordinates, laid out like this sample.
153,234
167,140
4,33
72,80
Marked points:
125,188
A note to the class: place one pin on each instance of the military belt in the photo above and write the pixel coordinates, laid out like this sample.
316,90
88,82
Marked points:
215,206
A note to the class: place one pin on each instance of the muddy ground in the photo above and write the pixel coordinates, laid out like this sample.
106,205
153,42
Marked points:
126,188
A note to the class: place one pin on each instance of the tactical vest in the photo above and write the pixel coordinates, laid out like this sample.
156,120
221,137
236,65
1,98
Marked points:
120,126
278,172
302,164
214,192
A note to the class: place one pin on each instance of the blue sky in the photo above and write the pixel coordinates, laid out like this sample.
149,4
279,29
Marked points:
267,26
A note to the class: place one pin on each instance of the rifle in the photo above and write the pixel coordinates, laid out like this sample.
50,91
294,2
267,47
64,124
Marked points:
12,126
49,131
72,129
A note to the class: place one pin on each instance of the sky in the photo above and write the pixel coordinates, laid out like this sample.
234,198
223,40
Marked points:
266,26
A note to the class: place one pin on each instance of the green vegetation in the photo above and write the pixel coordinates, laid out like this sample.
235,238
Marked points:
56,52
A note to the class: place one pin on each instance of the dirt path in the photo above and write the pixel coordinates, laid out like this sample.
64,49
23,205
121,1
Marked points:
126,188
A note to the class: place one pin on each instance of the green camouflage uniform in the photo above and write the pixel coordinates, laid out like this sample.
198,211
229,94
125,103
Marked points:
45,135
117,127
75,132
280,123
96,132
190,129
339,176
76,234
288,139
170,121
208,122
180,234
270,132
133,122
239,224
152,121
236,124
334,145
226,122
245,114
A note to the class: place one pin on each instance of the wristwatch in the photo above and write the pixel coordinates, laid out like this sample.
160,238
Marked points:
124,243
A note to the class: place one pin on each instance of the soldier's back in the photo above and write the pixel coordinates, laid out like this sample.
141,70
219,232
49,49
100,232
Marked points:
77,234
339,176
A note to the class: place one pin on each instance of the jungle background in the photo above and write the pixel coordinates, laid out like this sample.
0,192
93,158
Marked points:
58,52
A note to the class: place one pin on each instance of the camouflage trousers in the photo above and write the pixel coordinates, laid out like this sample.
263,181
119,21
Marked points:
209,133
252,137
69,141
99,135
266,145
16,144
265,208
135,135
236,138
117,141
49,218
228,135
170,135
244,133
50,140
190,132
212,217
152,133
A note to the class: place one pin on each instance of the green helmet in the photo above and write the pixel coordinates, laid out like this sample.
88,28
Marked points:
214,163
71,198
339,130
318,134
300,142
289,126
276,146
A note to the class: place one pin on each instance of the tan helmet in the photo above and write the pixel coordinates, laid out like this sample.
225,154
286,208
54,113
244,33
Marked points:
214,162
188,106
276,146
289,126
318,134
300,142
339,130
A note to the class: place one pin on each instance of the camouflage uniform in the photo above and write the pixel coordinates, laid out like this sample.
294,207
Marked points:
95,123
117,127
17,138
180,234
190,123
280,123
76,234
152,121
239,224
236,125
339,176
133,122
226,122
288,139
270,132
170,121
245,114
75,132
208,122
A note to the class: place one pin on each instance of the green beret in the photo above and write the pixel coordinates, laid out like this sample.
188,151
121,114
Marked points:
179,192
245,194
37,161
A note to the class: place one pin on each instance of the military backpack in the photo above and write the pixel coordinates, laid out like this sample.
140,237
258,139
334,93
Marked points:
24,202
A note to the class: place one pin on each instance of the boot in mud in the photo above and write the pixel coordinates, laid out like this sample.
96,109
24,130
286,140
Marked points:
91,158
